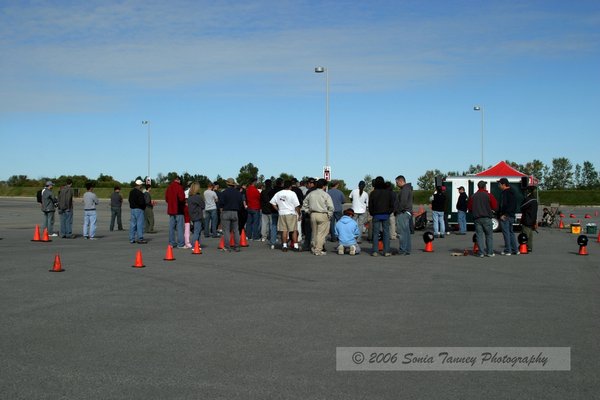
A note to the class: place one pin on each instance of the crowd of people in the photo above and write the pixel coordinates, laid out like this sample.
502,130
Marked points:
296,216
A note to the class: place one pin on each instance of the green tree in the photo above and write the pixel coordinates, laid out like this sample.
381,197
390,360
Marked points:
589,176
561,175
427,181
247,172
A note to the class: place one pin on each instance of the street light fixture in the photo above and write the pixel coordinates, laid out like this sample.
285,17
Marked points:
327,169
480,108
148,124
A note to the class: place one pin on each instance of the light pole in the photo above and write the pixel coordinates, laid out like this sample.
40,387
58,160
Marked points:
148,124
480,108
327,169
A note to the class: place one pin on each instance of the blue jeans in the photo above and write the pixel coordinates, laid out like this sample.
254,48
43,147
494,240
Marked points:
136,224
66,223
89,223
485,238
175,222
48,221
273,232
510,241
197,231
462,221
210,220
377,226
439,227
253,224
403,228
337,215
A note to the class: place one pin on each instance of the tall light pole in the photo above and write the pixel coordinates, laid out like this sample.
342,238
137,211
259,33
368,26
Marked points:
148,124
480,108
327,169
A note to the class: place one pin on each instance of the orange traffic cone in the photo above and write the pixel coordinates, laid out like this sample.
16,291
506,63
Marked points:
243,240
523,248
583,251
222,243
475,248
587,216
57,267
428,247
138,260
169,255
45,237
380,247
561,225
572,216
197,249
36,234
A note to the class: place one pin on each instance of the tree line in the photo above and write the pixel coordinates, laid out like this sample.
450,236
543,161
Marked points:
560,175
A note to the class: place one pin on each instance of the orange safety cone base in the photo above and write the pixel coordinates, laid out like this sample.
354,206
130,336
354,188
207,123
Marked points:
523,249
561,225
197,249
380,247
428,247
243,240
222,243
138,260
583,251
57,265
36,234
169,255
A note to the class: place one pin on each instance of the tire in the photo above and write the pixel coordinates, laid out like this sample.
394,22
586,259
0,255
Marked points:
495,225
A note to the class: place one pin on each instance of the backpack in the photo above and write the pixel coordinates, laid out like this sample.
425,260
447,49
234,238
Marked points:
38,195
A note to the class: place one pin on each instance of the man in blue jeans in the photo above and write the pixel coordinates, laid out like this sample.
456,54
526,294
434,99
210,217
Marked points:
461,207
403,212
175,198
506,211
482,204
137,203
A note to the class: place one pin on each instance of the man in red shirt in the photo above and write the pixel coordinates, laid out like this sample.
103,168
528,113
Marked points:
254,211
175,198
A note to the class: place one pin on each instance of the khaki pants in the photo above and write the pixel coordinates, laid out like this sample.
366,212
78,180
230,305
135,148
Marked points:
320,227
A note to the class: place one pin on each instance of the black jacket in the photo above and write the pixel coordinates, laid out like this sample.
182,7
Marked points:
136,199
381,201
508,203
461,204
529,209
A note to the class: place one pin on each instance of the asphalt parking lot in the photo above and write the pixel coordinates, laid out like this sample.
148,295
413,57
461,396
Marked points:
263,324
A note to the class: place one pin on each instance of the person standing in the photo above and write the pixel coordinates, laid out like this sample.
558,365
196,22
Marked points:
318,203
210,212
266,211
338,199
381,205
403,210
506,211
360,201
274,214
529,210
254,215
116,203
175,198
49,203
230,203
65,209
438,207
196,210
149,210
482,204
90,201
137,203
461,207
286,203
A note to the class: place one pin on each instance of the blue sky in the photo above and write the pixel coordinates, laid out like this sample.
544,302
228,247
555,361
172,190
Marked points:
225,83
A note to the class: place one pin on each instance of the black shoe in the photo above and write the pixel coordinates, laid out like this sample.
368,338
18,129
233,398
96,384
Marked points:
142,241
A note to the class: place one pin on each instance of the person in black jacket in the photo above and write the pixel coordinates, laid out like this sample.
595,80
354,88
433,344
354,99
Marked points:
461,207
381,205
506,211
529,210
137,203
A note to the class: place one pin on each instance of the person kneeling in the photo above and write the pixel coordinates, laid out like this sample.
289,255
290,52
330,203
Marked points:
346,229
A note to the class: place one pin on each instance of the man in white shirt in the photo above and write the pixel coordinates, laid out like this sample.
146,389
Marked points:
288,207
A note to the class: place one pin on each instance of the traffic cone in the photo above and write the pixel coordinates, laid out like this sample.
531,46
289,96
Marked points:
561,225
428,247
138,260
243,240
231,239
36,234
45,237
57,267
197,249
587,216
475,248
169,254
572,216
222,243
583,251
380,247
523,248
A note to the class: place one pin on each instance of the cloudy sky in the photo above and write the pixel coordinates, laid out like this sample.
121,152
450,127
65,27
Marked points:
225,83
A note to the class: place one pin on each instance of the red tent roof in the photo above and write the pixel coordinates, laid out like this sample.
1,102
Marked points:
502,169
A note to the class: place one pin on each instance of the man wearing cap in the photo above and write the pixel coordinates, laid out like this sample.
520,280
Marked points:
506,211
137,203
49,203
403,211
461,207
318,203
65,209
230,202
175,198
90,201
482,204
